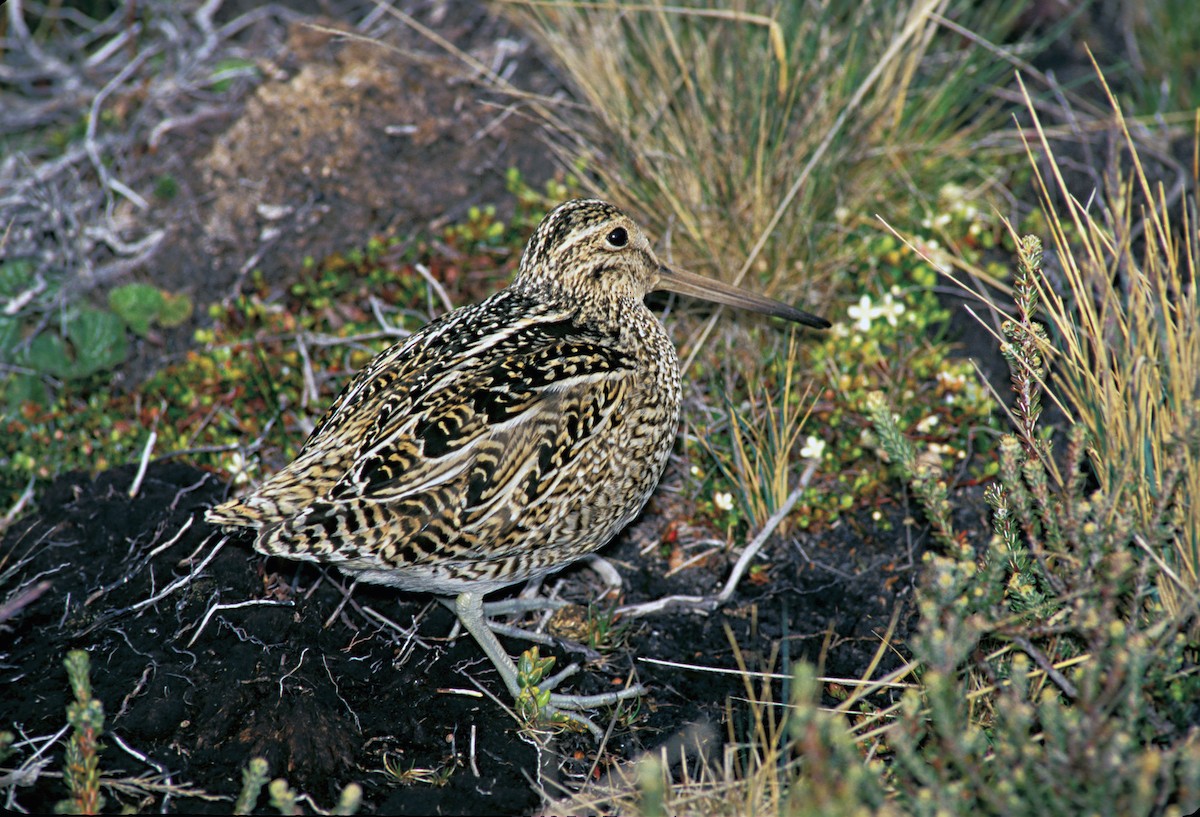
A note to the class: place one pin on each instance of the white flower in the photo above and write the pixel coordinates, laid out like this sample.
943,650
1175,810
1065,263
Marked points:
723,500
891,309
813,448
239,468
862,313
952,193
927,424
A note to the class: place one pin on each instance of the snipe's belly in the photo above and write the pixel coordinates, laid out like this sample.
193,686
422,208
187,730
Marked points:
559,505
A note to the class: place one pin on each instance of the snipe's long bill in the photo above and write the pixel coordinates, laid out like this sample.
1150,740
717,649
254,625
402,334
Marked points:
502,441
710,289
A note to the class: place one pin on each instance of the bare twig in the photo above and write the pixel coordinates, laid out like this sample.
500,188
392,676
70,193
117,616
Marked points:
337,691
435,285
22,599
18,506
1047,667
743,562
706,604
236,606
346,592
182,580
697,604
310,395
110,182
52,66
173,123
19,301
144,463
114,44
32,767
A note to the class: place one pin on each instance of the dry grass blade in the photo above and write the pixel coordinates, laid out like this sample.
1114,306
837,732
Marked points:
1126,321
765,434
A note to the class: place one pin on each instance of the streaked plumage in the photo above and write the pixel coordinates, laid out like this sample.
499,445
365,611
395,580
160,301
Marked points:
507,438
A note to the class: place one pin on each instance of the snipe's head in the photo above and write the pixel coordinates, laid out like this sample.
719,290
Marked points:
589,253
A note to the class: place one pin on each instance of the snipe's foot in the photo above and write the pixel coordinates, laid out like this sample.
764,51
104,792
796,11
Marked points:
518,606
553,706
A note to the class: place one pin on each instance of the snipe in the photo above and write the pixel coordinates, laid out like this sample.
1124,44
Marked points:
503,440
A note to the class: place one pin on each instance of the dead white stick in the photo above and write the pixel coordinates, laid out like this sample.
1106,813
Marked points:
141,472
743,562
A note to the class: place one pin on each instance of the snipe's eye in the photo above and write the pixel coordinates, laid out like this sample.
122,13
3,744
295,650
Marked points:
619,237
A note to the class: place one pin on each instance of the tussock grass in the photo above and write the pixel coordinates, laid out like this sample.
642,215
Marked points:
1124,321
735,130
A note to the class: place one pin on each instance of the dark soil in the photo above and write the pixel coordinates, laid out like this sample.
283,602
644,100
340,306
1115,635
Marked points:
199,689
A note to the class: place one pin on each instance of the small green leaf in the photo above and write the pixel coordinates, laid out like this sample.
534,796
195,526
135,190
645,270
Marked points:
137,304
229,68
99,341
47,353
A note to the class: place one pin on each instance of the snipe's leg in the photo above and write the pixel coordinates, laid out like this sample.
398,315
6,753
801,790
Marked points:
469,607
